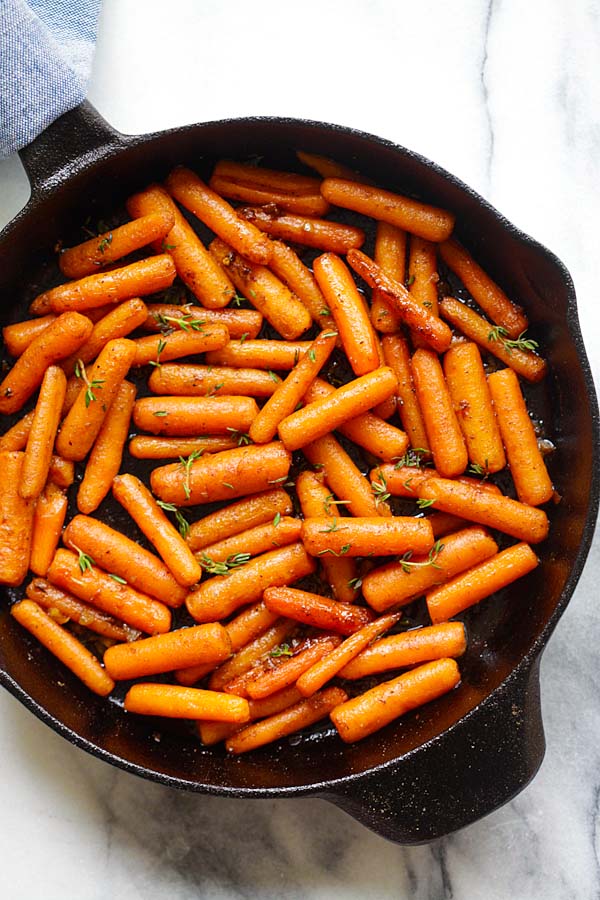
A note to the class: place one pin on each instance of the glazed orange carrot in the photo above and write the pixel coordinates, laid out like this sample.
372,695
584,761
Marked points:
107,453
329,168
367,430
251,653
361,716
238,322
72,573
164,652
189,380
117,323
18,337
410,648
155,350
87,258
64,646
301,204
260,354
349,311
423,277
397,357
144,447
390,254
40,442
187,416
396,584
350,400
132,494
485,292
222,476
271,179
265,292
404,481
288,394
48,520
281,531
490,576
16,436
527,364
325,669
527,466
296,717
194,264
224,594
137,279
387,408
313,609
288,266
340,572
419,319
61,471
189,190
443,431
63,606
377,535
240,516
213,732
62,338
290,669
426,221
16,521
305,230
175,702
117,554
445,523
84,420
472,401
344,478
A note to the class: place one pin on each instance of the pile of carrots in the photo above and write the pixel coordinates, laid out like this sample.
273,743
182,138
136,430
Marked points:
223,607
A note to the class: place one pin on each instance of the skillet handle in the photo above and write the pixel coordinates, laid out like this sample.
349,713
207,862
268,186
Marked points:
79,136
467,773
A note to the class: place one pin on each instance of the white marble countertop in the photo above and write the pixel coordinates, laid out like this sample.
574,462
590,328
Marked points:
506,96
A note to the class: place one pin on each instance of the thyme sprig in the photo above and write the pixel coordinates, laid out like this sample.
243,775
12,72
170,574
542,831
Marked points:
182,522
186,463
90,386
498,333
408,566
223,568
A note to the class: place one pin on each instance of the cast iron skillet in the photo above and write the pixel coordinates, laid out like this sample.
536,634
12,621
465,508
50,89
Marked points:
464,755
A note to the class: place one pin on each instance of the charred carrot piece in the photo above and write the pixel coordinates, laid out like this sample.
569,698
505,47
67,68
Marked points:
344,478
175,702
156,350
18,337
260,354
117,323
397,357
238,517
313,609
38,453
189,380
302,204
16,521
390,255
282,530
306,230
411,648
288,266
443,431
366,536
239,323
164,652
48,520
290,669
144,447
187,416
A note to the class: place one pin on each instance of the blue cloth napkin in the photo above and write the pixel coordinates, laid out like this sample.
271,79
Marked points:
46,51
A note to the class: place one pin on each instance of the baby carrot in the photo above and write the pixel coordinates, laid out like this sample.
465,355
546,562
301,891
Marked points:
281,531
64,646
418,218
490,576
290,669
16,521
296,717
117,323
48,520
329,168
361,716
251,653
390,255
16,437
189,380
55,601
472,401
419,319
165,652
223,594
187,416
288,266
287,395
135,280
423,277
485,292
260,354
88,257
175,702
213,732
271,179
302,204
148,515
305,230
144,447
186,187
84,420
350,400
387,408
378,535
222,476
445,523
62,338
527,364
397,583
79,576
349,311
124,558
397,357
410,648
18,336
38,454
238,517
238,322
344,477
107,453
313,609
339,658
404,481
527,466
194,264
264,291
155,350
443,431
